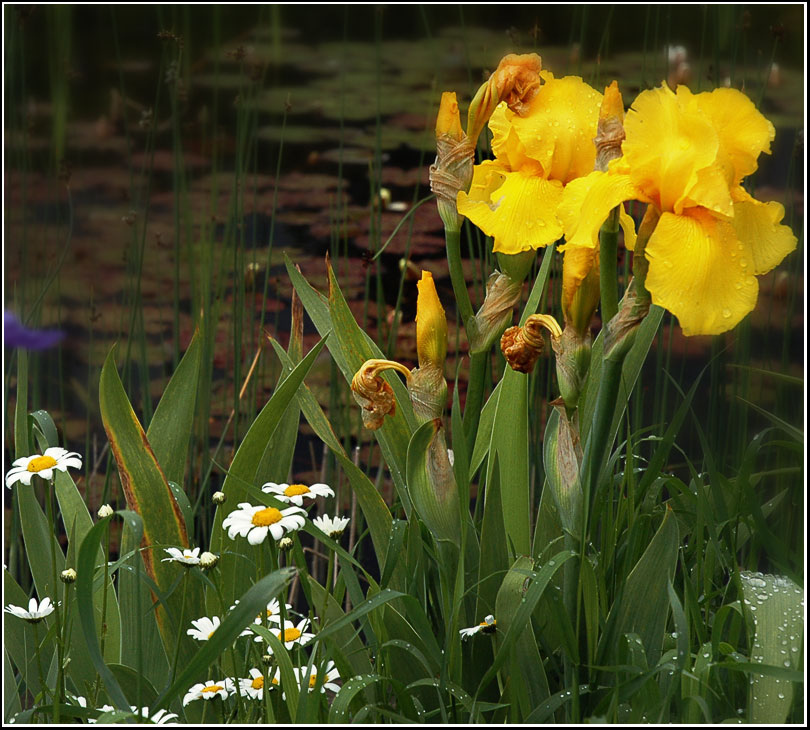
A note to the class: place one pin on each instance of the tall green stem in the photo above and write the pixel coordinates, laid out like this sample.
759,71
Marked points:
453,241
475,396
59,696
608,284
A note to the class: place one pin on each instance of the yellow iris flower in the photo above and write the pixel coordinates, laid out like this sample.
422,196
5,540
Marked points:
514,198
686,154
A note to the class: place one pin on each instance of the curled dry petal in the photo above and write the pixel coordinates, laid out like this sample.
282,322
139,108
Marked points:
516,81
522,346
373,394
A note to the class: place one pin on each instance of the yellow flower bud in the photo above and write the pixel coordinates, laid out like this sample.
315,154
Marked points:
610,131
431,324
449,121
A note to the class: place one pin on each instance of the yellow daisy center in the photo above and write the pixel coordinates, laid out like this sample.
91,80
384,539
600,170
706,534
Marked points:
266,516
290,635
273,681
295,490
312,679
40,463
211,634
212,688
257,683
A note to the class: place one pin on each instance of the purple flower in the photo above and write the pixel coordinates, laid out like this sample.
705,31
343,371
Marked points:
16,334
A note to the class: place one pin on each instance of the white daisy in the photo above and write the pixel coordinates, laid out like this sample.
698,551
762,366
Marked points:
203,628
161,717
253,686
54,458
332,526
326,677
209,690
292,635
296,493
186,556
35,613
255,522
272,614
487,626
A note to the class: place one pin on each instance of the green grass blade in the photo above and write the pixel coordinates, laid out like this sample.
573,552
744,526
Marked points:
243,474
86,569
149,495
776,606
644,604
249,606
170,428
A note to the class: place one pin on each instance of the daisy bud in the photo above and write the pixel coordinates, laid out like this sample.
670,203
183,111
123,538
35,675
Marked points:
285,544
267,659
218,498
68,576
105,511
208,560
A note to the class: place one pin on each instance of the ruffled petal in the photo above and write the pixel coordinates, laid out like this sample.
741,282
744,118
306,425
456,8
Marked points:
559,128
758,227
505,141
586,204
519,213
700,272
669,141
743,132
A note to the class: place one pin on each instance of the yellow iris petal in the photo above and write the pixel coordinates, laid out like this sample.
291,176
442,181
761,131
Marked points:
586,204
700,272
744,133
669,141
628,228
516,208
559,128
758,227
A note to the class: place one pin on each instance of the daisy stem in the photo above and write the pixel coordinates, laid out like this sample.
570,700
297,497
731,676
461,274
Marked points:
57,700
328,586
42,685
608,284
103,608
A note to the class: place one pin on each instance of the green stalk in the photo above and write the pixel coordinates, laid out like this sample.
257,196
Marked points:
42,684
182,621
59,696
608,284
453,241
476,384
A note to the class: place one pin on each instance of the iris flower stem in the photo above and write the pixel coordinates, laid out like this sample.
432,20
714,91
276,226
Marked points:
453,242
475,396
608,284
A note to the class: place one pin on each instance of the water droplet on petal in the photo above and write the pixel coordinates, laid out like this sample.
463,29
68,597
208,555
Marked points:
726,313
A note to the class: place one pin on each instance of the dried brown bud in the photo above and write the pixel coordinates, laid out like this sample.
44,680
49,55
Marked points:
373,394
522,346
